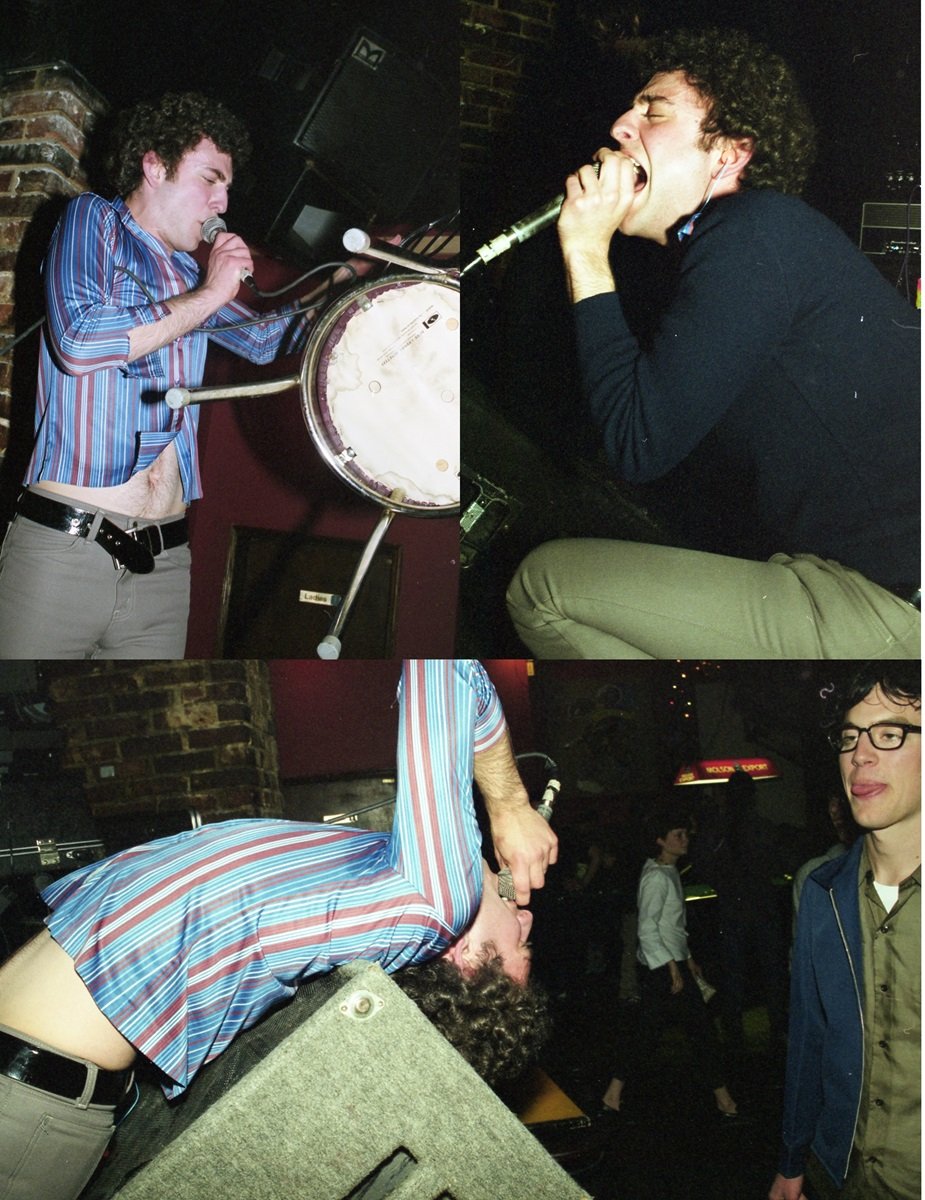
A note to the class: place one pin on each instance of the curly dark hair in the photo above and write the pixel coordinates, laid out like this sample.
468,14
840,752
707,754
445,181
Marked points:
170,127
900,682
498,1025
750,93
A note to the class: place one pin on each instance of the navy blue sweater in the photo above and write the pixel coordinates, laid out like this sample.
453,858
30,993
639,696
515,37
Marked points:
786,341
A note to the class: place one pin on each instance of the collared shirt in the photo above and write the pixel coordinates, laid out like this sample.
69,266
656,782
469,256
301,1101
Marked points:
662,923
187,940
888,1135
99,418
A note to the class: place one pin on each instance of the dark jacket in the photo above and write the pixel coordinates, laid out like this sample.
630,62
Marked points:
825,1056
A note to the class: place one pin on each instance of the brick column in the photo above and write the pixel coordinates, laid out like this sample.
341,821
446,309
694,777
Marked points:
45,115
151,737
497,41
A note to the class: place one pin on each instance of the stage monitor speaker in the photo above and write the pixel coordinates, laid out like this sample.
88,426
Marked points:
379,127
347,1092
281,590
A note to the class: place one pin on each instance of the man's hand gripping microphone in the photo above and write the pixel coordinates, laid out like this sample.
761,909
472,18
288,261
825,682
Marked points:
544,808
211,227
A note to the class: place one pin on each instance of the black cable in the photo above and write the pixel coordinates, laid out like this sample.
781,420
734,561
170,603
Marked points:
294,312
295,283
440,223
20,337
903,276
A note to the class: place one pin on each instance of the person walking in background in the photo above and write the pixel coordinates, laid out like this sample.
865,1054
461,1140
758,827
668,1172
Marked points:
669,992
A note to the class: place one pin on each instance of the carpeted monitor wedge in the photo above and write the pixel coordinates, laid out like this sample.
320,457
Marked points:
347,1093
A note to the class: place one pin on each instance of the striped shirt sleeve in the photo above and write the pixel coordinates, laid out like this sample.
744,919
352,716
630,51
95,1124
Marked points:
88,328
185,941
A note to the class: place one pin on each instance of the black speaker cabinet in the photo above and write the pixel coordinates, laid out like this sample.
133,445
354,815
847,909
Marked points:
379,126
282,589
347,1092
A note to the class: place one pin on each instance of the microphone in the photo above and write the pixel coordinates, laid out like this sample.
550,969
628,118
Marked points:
537,221
359,242
525,228
214,225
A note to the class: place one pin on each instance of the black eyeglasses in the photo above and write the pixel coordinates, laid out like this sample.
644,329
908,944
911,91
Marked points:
885,735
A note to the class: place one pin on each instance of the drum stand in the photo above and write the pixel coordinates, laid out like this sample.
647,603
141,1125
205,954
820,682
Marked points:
356,242
330,645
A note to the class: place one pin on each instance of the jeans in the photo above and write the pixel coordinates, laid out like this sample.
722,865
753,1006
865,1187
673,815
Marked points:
49,1145
62,597
593,598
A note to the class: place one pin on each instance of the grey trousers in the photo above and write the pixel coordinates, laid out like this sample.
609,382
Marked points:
591,598
62,597
49,1146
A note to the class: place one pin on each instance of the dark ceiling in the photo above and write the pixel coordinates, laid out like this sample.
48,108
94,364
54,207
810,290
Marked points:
269,61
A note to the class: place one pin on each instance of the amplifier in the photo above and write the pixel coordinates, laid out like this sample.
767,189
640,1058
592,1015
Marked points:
891,228
46,827
45,854
346,1092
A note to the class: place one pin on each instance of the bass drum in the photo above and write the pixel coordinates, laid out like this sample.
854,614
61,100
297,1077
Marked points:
380,392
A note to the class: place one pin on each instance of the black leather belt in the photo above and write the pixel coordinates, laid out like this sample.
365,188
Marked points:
54,1073
132,548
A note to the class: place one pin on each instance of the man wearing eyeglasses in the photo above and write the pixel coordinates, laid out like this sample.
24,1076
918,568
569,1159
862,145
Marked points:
852,1103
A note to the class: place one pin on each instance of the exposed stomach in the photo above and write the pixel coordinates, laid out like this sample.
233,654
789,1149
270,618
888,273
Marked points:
153,494
42,996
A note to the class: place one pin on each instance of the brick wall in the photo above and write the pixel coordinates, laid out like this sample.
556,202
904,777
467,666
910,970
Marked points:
498,44
152,737
45,114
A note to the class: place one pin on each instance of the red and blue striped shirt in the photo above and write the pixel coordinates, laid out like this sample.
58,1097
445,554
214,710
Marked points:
186,941
99,418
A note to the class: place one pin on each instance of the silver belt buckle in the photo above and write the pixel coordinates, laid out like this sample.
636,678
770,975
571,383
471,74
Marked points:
117,564
134,533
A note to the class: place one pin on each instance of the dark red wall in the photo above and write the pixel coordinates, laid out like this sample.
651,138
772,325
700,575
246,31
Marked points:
340,718
260,468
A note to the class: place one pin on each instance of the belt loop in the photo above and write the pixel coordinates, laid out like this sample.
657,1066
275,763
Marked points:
98,517
89,1086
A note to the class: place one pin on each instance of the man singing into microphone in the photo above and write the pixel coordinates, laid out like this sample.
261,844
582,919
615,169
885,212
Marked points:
781,342
159,956
96,561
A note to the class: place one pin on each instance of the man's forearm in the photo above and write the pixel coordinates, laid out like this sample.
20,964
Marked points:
522,839
187,312
587,274
498,778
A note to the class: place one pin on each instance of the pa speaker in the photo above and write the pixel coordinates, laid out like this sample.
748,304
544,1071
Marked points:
380,127
347,1092
282,591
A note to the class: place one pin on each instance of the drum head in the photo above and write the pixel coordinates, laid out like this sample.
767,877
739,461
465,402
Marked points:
380,391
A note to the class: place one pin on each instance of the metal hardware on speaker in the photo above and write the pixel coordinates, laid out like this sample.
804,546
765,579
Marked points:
47,827
487,510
